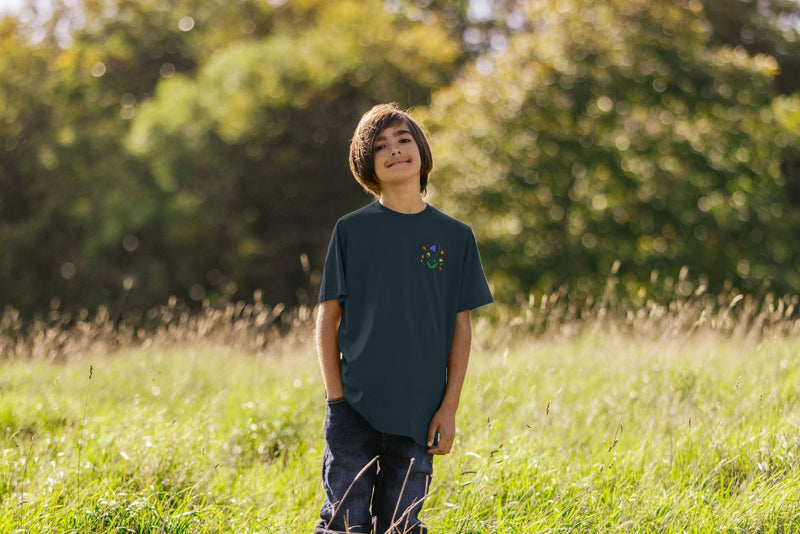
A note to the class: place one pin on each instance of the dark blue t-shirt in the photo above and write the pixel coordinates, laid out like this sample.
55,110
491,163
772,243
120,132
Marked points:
400,279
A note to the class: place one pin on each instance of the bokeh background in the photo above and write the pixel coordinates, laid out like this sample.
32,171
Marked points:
198,148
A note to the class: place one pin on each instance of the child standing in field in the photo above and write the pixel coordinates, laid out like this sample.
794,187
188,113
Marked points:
393,333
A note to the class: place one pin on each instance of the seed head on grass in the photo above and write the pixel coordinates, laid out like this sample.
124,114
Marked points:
616,436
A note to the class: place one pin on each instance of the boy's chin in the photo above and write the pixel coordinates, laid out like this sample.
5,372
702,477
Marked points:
395,182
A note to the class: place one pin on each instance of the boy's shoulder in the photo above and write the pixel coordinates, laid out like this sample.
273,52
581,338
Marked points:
370,210
449,219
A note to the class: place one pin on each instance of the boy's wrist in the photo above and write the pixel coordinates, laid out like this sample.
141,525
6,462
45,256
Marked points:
334,393
449,405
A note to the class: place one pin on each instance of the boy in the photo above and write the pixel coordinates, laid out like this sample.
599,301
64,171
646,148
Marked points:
393,333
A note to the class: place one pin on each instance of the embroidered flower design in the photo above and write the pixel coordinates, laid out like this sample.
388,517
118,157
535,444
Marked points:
432,256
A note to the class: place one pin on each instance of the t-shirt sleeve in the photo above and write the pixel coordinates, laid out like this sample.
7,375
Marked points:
474,291
334,281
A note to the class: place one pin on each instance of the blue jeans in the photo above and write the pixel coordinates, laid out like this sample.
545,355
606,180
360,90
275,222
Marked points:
370,478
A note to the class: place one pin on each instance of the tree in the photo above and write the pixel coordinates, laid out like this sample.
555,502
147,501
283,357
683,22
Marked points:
71,193
476,25
769,27
26,156
765,27
618,131
238,114
250,155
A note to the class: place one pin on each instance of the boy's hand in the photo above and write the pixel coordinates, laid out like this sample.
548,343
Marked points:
443,422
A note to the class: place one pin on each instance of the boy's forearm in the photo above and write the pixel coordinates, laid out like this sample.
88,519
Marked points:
444,420
457,362
328,316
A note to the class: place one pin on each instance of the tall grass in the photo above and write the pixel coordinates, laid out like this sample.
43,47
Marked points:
603,416
253,327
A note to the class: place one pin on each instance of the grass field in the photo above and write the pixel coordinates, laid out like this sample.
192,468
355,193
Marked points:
673,419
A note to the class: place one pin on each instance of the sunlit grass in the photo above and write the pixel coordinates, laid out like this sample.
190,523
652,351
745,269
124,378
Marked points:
676,418
191,438
608,433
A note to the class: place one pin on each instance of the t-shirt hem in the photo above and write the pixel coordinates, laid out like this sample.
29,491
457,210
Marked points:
392,432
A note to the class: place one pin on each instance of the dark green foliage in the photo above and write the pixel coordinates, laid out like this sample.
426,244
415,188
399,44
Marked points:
198,148
202,157
620,132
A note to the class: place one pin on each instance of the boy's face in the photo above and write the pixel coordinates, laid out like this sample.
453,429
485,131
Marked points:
395,156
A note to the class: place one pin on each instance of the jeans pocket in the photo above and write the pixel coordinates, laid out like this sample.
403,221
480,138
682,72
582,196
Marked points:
339,418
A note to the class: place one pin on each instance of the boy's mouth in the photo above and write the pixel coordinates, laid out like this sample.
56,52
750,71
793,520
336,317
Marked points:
392,164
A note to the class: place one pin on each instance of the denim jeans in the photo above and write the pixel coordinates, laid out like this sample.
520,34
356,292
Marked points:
370,478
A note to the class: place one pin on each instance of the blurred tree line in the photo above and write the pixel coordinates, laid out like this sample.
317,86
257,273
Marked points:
198,148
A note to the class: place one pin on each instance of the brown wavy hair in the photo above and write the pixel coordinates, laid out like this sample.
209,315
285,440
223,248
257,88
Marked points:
372,123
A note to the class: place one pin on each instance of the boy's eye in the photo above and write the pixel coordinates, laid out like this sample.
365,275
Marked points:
377,148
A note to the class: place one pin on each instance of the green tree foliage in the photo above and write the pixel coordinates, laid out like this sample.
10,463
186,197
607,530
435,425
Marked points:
476,25
238,116
198,147
617,131
771,28
250,155
761,27
70,193
28,205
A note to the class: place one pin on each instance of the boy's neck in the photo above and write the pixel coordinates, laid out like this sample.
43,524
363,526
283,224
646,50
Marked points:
403,201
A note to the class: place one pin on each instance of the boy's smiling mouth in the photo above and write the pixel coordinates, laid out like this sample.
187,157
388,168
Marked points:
393,163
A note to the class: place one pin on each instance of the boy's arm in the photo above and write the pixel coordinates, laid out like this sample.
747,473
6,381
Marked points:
444,420
328,315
